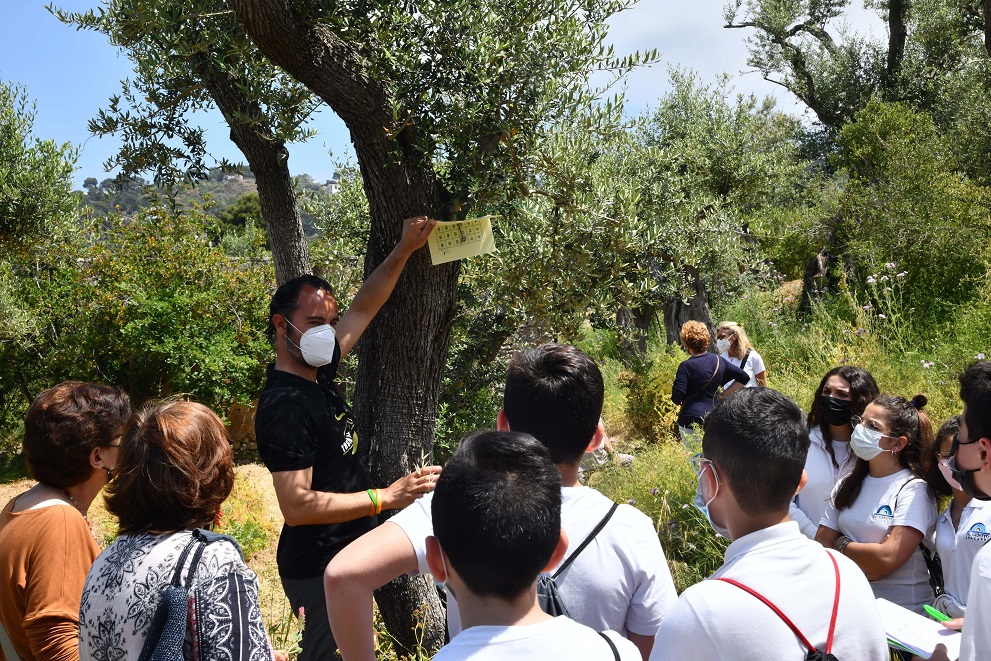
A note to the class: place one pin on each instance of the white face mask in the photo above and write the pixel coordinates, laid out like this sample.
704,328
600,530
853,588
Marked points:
316,344
866,443
944,469
722,345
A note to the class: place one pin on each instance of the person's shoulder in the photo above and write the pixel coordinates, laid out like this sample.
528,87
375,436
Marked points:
594,505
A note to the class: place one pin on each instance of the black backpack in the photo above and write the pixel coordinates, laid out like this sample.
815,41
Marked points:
548,595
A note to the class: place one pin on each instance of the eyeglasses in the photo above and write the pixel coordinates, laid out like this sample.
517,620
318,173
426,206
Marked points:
725,337
857,420
698,463
957,443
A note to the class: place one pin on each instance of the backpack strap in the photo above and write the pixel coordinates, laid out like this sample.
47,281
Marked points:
177,575
934,564
588,540
612,645
784,618
746,357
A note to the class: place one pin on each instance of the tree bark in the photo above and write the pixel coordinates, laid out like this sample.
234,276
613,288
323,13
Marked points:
677,311
634,326
897,35
987,26
268,159
402,354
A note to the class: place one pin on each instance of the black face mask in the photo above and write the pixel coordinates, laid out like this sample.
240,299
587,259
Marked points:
834,411
966,479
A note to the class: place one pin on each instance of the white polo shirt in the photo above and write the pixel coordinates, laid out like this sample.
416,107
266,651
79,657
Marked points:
621,581
755,365
957,548
976,643
900,499
559,638
810,503
714,621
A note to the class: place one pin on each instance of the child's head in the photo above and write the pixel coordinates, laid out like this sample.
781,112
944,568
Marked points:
497,514
554,392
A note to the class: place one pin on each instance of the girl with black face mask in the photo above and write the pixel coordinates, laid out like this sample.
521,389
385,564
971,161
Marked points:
843,392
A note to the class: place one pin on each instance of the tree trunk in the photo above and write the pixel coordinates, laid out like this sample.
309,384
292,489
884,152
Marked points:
677,311
634,326
268,159
818,279
402,354
897,35
987,26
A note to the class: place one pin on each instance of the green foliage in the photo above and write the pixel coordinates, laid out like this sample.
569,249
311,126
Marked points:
143,303
907,203
662,485
35,175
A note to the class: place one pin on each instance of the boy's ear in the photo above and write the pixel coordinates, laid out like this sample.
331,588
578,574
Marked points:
502,422
802,482
435,560
597,437
559,551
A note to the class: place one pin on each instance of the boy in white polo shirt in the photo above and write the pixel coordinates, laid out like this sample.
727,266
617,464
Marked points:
497,524
753,454
619,582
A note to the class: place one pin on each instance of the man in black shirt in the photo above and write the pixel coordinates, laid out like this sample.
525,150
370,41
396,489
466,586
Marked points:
306,435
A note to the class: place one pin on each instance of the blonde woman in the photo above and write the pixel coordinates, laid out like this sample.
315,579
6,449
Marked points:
734,345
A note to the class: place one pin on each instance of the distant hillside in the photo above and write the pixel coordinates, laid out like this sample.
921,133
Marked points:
223,189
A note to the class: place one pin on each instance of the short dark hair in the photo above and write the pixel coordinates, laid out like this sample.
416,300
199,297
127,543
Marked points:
174,471
497,511
285,300
975,391
65,423
906,418
554,392
759,441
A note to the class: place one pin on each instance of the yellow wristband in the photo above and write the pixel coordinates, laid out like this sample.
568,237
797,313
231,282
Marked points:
378,501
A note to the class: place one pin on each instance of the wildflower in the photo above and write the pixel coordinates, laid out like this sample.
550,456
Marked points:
673,525
881,316
746,296
789,299
719,536
775,309
632,502
871,280
861,331
890,265
655,491
773,325
867,307
685,506
846,330
979,356
901,275
884,278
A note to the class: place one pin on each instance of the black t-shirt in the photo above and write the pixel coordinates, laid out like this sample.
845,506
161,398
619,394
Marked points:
301,424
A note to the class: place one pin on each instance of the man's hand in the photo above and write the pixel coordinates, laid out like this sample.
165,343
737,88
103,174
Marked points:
405,490
415,233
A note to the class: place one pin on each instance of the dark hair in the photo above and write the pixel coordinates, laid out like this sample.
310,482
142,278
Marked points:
863,391
174,471
65,423
975,391
930,461
905,418
285,300
554,392
497,511
759,441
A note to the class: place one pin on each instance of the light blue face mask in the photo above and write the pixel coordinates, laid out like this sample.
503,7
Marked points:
703,505
447,573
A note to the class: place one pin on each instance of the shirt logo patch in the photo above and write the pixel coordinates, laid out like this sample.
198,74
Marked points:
883,514
979,532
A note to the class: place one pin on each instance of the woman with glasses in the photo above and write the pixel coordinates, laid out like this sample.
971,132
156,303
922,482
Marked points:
71,437
883,509
734,345
844,392
962,529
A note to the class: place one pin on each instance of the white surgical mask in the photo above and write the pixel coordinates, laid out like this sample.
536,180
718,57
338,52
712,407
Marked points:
316,344
722,345
702,505
944,468
866,443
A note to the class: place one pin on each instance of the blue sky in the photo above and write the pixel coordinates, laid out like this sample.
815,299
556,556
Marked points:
71,74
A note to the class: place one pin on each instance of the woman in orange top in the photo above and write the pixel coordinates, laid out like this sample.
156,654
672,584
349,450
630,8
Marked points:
71,433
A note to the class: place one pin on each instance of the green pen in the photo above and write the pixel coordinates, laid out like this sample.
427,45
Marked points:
936,615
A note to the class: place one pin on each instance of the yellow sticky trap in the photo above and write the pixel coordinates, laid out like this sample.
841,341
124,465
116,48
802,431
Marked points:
460,239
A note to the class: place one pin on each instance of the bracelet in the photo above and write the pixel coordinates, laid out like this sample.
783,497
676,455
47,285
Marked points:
375,504
378,501
841,543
